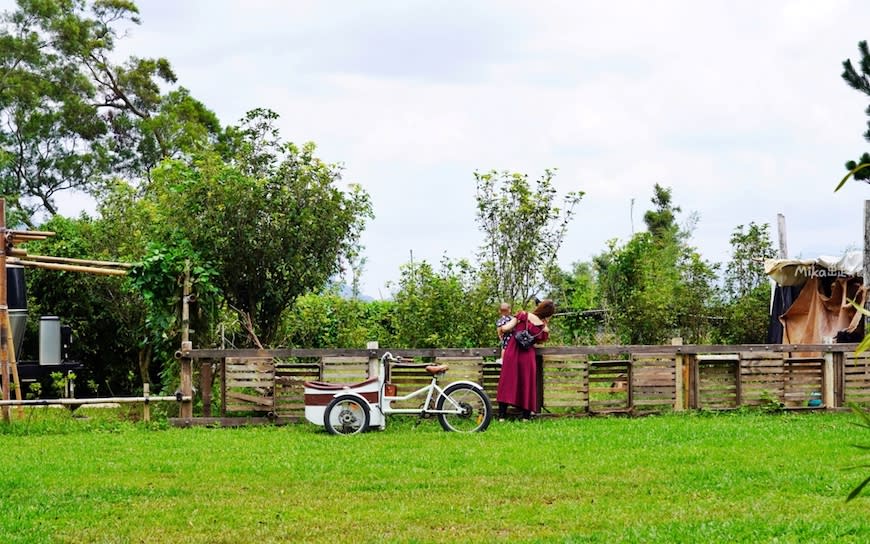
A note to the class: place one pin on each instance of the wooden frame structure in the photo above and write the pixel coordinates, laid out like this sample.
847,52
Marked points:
9,254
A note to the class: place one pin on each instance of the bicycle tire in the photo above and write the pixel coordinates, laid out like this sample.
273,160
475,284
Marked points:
346,414
477,408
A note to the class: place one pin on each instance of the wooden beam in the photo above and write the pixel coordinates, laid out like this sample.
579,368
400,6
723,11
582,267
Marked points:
783,242
66,260
72,268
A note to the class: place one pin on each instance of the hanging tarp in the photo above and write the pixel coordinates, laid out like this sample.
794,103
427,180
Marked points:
788,272
822,312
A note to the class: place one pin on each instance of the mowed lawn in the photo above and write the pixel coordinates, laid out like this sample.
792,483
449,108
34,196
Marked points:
742,477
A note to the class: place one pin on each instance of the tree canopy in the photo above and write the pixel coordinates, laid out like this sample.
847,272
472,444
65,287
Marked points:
859,79
523,229
70,117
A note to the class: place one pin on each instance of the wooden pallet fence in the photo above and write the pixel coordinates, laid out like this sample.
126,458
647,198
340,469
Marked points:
566,383
653,382
608,385
802,379
761,377
718,381
344,369
491,375
289,390
247,385
594,379
856,379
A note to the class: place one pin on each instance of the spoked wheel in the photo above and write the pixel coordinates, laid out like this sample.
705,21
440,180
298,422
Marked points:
346,414
475,409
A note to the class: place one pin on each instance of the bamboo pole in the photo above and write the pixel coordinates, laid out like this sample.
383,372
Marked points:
105,400
4,313
42,233
13,363
146,409
186,411
72,268
67,260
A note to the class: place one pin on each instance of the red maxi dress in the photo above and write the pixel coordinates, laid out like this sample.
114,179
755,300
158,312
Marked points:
518,383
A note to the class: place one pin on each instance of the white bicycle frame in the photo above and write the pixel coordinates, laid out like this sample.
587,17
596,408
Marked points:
383,406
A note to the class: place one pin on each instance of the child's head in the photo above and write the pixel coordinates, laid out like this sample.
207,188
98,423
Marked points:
504,309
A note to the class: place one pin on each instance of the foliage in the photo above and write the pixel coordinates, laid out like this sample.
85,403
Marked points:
159,280
576,296
272,220
865,423
71,117
444,308
747,287
689,478
523,230
105,317
657,286
860,81
328,320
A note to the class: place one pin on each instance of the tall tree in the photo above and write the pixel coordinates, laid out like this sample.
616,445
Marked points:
443,308
273,222
523,229
656,285
859,79
71,118
747,287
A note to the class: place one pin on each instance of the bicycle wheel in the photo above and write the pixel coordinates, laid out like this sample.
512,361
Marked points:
476,410
346,414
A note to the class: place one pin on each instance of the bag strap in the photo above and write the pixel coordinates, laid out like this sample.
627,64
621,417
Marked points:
529,323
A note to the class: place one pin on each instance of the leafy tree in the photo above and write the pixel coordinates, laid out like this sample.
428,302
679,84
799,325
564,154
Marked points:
71,118
105,315
576,295
656,285
747,287
750,246
272,221
859,79
445,308
661,222
523,230
327,320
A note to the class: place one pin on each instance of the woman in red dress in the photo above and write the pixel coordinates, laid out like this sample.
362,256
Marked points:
518,385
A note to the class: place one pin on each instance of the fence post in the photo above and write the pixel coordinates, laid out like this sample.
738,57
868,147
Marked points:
679,363
206,382
373,359
828,380
186,411
146,407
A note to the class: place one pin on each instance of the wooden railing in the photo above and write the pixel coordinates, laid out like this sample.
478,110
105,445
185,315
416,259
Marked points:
575,379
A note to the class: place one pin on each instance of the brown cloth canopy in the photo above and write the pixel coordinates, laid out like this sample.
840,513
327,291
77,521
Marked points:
815,316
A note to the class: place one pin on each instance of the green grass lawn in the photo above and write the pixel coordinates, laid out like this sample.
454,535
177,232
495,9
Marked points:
747,477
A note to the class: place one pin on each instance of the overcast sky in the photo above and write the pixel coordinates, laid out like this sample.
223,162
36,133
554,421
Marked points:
738,106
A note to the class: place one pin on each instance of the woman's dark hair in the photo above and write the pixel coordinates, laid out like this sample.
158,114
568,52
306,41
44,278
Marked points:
545,309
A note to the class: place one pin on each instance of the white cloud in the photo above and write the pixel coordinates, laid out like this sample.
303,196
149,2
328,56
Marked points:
737,105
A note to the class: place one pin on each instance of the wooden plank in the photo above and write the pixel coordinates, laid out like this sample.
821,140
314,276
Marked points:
253,399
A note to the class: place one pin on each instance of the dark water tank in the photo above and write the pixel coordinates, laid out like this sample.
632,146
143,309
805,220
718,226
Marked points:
16,298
